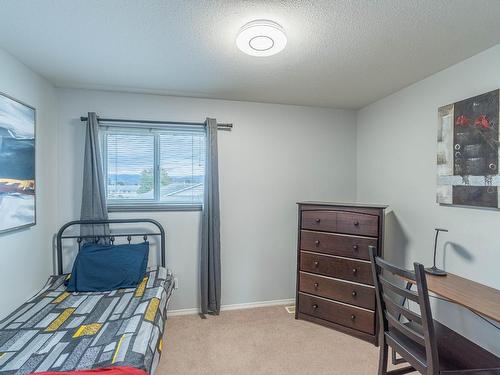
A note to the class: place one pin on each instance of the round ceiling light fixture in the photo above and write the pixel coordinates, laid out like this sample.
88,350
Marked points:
261,38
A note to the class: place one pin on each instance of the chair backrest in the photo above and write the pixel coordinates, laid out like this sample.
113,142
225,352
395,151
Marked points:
415,340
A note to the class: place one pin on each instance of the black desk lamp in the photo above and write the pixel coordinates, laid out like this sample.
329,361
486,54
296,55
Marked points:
434,270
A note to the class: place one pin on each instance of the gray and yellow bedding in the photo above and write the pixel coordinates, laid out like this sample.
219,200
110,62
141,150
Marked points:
61,331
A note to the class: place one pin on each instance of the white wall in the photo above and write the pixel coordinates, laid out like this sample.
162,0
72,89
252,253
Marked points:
396,165
26,255
275,156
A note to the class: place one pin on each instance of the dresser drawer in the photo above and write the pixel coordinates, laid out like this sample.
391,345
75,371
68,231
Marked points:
361,224
336,244
343,291
320,220
348,316
341,268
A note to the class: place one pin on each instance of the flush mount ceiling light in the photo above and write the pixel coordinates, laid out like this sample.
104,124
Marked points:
261,38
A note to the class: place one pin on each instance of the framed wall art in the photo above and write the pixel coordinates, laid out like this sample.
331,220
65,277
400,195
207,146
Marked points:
467,155
17,164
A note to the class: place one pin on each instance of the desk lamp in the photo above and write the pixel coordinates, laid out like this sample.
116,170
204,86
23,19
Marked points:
434,270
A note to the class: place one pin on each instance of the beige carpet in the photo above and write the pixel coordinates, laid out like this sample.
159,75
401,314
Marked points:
261,341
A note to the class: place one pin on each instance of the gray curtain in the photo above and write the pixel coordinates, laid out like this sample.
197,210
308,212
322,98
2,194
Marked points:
94,194
210,273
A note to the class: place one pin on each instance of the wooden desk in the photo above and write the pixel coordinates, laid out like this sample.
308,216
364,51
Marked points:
474,296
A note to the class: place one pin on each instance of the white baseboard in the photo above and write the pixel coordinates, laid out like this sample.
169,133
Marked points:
237,306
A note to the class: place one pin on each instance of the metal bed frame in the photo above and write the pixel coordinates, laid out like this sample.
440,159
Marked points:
110,236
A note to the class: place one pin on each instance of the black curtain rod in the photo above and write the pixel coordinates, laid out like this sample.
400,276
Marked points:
222,126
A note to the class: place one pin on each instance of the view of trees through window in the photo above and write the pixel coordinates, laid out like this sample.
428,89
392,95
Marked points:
164,166
146,182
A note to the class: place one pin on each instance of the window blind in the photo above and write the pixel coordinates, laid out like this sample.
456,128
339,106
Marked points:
164,165
182,166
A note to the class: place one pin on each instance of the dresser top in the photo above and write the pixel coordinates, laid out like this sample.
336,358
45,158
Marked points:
339,204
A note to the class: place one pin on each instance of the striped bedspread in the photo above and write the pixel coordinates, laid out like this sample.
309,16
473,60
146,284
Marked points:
61,331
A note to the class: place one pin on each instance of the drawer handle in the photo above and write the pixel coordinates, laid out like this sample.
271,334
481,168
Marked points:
354,294
318,220
316,263
353,317
355,247
316,242
356,223
315,307
354,271
316,285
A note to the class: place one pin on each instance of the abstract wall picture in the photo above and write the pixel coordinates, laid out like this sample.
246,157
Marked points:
17,164
467,155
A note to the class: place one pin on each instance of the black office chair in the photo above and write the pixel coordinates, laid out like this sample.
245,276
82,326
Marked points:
429,347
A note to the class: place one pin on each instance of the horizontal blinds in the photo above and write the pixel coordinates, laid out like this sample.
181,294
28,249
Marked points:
165,165
130,166
142,127
182,166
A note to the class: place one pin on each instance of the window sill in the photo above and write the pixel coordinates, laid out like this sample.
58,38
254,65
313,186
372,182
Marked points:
153,207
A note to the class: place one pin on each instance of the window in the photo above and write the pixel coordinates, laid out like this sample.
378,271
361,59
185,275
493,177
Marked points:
159,168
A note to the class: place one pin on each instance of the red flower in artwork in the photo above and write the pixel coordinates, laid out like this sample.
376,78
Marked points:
483,122
462,120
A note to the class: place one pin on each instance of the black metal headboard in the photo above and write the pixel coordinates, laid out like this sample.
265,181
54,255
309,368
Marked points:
111,236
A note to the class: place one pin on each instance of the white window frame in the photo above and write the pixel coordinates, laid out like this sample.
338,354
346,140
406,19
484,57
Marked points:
154,204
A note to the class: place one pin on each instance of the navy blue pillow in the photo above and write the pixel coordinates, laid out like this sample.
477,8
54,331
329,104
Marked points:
99,268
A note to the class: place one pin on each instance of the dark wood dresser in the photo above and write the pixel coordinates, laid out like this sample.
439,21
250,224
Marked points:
334,277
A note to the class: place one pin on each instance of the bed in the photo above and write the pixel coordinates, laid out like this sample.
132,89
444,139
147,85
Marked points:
58,331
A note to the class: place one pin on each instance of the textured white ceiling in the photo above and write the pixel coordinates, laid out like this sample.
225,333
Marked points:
340,53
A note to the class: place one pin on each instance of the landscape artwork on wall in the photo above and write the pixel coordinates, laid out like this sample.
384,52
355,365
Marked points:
467,155
17,164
